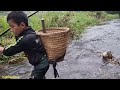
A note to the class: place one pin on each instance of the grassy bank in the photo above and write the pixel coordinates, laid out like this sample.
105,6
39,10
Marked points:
77,21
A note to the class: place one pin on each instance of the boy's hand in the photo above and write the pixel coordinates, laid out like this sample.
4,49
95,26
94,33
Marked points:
1,49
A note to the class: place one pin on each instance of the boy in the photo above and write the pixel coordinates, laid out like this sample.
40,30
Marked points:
27,41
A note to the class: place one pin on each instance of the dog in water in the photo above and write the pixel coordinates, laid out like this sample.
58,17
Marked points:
109,58
107,55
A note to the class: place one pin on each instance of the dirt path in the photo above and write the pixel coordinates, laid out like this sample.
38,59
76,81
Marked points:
82,60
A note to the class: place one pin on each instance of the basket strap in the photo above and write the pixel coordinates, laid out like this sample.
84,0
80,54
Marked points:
42,45
54,63
55,70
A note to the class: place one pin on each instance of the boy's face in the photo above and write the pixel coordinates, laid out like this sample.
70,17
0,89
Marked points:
16,29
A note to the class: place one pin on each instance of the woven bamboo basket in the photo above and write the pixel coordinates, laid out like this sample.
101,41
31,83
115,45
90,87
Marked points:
55,41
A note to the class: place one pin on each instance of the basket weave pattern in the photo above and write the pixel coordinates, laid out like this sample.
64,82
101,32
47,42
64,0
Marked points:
55,41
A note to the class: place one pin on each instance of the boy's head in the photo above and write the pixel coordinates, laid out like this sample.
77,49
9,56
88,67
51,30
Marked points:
17,21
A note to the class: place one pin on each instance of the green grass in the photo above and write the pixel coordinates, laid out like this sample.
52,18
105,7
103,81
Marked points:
76,21
3,23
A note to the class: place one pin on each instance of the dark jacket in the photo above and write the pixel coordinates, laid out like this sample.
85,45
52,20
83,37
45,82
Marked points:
28,42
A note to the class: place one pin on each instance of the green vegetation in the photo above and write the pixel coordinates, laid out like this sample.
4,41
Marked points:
77,21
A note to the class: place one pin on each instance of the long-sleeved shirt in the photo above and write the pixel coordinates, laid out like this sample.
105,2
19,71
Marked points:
30,43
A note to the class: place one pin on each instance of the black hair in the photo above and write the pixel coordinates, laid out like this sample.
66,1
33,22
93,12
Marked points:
18,17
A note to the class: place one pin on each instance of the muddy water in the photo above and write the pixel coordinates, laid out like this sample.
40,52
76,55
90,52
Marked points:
82,60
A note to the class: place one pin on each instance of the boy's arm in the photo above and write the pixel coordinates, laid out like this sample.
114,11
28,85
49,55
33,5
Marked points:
13,49
23,43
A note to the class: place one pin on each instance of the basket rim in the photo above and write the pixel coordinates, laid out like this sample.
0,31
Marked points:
66,30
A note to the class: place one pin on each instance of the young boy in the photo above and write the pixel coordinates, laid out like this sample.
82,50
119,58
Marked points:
27,41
